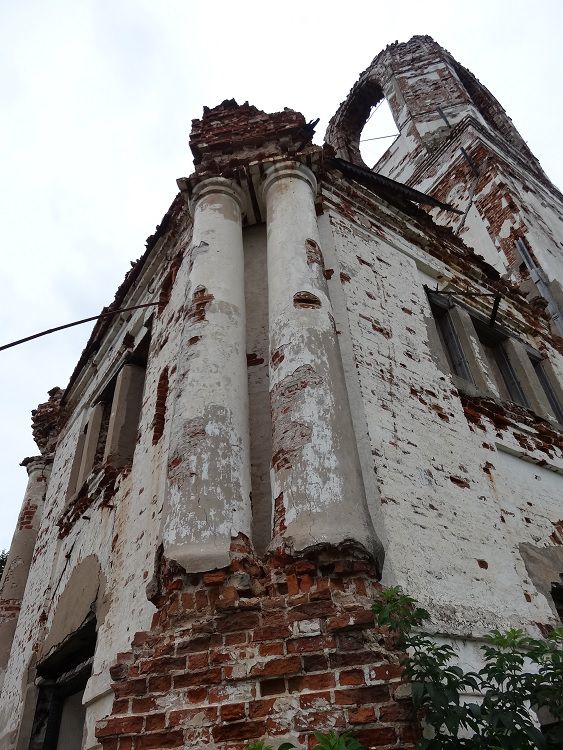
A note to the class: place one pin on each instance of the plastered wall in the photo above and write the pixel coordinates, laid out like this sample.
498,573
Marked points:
447,539
105,555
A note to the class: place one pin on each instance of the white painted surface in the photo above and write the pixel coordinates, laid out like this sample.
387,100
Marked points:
208,494
319,478
436,530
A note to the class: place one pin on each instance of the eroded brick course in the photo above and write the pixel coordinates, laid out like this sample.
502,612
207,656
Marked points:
262,681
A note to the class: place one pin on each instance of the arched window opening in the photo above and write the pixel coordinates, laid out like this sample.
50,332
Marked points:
379,132
347,125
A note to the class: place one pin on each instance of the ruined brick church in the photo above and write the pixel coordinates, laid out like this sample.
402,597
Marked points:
328,378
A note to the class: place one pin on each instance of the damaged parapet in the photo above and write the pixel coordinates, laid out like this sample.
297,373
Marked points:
239,141
231,136
47,421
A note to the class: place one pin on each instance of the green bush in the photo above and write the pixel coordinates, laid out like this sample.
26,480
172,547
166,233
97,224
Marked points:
330,741
519,672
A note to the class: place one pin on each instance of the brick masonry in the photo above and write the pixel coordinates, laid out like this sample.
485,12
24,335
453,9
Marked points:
264,648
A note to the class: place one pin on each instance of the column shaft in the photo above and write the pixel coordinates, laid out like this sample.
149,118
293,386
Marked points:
208,493
318,490
16,570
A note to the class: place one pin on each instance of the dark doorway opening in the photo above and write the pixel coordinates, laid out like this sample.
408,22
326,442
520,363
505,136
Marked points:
59,715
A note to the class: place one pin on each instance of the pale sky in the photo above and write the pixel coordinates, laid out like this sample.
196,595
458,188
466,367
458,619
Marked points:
97,97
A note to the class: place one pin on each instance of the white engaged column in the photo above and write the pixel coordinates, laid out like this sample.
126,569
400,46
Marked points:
16,570
317,486
208,490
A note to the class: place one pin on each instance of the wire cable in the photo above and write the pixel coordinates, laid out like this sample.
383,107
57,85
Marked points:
75,323
379,137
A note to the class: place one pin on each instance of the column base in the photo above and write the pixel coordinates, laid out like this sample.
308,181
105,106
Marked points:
277,648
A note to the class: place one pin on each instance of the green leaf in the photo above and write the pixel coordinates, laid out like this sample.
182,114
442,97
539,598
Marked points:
518,672
258,745
417,691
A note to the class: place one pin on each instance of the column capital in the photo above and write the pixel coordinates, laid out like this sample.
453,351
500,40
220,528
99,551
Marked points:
36,463
218,186
284,169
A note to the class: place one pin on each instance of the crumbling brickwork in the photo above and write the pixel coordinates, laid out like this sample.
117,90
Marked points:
277,648
232,135
47,421
458,144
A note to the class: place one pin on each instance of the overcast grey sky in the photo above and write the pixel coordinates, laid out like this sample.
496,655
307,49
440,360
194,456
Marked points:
96,101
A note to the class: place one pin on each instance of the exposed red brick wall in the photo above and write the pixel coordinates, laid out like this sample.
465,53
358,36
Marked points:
160,406
82,500
168,282
493,198
47,421
230,135
540,435
262,648
27,514
9,609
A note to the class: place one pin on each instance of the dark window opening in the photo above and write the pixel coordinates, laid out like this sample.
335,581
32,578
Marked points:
140,356
59,719
451,343
523,270
106,401
557,596
110,435
548,389
121,438
500,365
506,357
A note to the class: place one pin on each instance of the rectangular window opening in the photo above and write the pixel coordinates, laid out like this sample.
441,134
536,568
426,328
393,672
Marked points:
126,405
110,433
105,402
500,365
547,387
509,376
505,356
451,343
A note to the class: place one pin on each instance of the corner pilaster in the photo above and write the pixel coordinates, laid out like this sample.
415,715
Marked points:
16,570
